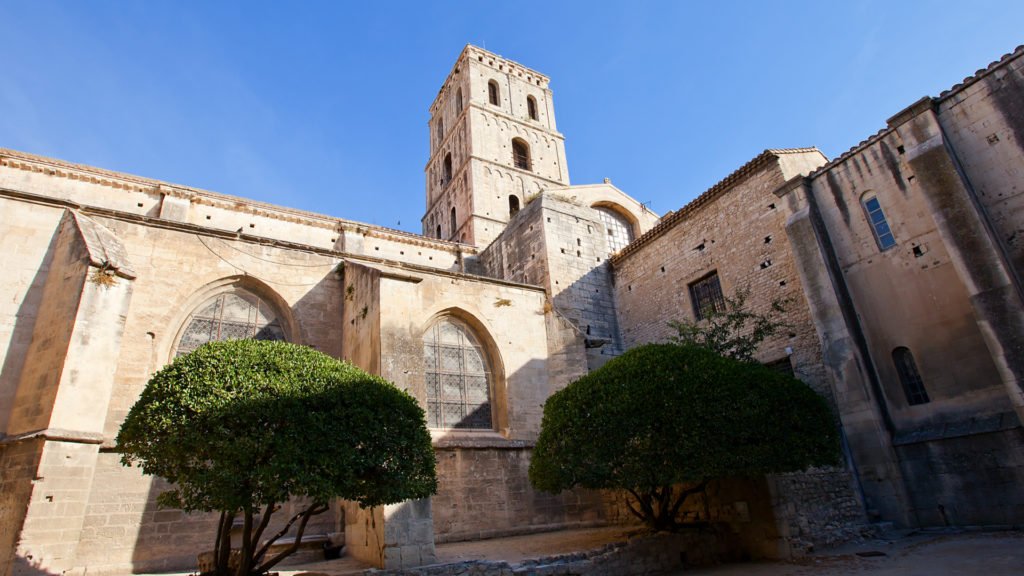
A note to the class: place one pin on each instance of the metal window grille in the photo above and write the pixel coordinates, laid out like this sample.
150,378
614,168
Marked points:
706,295
521,155
913,386
229,316
620,232
457,378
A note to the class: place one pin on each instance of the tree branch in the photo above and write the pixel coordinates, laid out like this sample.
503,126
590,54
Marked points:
309,513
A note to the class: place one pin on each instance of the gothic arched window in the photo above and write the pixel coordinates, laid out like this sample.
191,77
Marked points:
458,377
531,107
233,315
620,231
520,153
493,95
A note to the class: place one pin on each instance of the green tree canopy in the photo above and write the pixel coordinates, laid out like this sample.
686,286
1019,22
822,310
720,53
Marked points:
663,417
242,426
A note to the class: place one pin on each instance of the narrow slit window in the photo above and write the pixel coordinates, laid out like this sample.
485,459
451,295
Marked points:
531,107
879,224
458,102
454,227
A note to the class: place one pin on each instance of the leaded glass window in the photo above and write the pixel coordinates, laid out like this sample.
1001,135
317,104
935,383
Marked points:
620,232
457,378
879,225
229,316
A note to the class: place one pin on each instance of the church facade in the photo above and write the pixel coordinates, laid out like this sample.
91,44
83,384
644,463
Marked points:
901,262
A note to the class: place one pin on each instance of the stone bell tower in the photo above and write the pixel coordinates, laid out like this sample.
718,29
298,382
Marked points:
493,147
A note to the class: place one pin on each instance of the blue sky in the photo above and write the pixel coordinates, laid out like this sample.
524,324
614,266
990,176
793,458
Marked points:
323,105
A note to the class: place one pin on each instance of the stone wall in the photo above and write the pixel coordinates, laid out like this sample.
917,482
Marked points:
737,231
484,492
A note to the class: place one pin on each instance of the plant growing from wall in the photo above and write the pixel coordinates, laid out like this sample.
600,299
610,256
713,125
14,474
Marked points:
240,427
733,331
662,420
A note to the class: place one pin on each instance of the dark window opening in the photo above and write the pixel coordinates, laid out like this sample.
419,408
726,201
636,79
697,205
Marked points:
440,130
706,295
783,366
447,169
520,154
458,102
438,230
492,93
454,227
531,107
513,205
913,386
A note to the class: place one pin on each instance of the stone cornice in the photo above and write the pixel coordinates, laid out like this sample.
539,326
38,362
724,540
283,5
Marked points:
60,169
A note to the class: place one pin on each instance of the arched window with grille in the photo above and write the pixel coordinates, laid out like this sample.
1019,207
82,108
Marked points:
520,153
513,205
493,96
231,315
458,377
618,228
910,378
531,107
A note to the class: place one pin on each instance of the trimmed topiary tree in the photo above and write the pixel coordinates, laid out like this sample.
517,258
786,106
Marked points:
662,420
242,426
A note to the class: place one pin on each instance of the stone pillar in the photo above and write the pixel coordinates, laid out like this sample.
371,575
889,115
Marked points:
392,536
974,249
865,420
60,406
397,535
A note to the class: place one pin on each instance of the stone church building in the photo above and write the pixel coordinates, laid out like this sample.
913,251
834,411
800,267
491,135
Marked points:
902,260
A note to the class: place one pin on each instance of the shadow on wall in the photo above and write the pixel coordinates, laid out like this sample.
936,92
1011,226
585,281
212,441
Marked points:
28,566
483,486
169,539
21,335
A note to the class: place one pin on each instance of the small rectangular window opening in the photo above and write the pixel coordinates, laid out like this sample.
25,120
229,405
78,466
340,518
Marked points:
706,296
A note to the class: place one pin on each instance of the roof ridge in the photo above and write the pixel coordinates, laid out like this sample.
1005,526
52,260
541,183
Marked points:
671,219
1018,51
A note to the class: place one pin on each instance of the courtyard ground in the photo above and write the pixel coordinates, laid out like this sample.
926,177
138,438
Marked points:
918,553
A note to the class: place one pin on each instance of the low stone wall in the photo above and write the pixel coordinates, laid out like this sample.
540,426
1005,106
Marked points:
651,554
